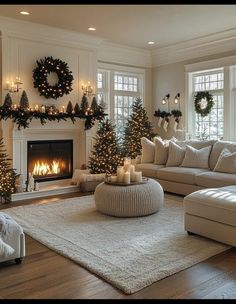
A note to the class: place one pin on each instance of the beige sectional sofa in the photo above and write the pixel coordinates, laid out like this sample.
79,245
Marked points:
185,180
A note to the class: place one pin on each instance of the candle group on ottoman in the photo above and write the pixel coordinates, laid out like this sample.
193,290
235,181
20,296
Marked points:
127,173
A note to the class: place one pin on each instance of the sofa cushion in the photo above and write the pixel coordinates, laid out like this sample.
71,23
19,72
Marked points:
216,150
175,155
215,179
196,158
161,150
179,174
149,170
148,150
214,204
197,144
226,162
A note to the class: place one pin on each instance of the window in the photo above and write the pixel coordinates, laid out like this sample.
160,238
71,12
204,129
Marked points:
211,126
118,87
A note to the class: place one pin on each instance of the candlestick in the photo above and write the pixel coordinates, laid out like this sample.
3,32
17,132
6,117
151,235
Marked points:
126,178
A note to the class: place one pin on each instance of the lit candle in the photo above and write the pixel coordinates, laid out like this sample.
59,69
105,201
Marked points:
127,163
126,177
138,177
36,107
15,106
43,109
63,109
120,173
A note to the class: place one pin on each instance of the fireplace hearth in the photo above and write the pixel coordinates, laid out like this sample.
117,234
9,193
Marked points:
50,160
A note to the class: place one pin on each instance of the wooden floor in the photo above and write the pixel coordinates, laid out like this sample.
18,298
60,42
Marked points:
46,275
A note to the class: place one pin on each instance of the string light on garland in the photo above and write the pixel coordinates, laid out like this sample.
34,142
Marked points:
40,75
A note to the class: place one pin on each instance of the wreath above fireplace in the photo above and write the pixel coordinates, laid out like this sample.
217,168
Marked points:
40,75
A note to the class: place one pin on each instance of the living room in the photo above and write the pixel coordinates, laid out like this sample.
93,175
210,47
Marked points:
141,203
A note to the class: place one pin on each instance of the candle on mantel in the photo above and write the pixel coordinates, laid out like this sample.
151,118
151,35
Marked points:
120,174
126,177
43,109
15,106
138,177
36,107
63,109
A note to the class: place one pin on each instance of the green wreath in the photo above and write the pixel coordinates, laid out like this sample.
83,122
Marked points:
40,76
200,108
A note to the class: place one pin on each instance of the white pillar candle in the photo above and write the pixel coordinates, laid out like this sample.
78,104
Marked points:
120,173
132,170
127,177
43,109
127,167
113,179
138,177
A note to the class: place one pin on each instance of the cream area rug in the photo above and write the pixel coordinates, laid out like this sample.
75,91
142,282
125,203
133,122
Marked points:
129,253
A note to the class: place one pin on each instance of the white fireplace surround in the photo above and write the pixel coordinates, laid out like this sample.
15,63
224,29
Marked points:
50,131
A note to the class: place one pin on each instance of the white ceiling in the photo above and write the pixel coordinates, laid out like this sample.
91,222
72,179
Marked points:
132,25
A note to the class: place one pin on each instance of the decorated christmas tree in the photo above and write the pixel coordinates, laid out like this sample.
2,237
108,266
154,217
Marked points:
69,107
7,101
84,104
7,176
138,126
76,108
106,155
24,102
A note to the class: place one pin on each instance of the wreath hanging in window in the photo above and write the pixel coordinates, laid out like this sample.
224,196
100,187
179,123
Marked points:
203,103
40,75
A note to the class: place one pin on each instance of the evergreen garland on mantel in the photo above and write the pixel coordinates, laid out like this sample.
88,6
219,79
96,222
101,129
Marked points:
22,117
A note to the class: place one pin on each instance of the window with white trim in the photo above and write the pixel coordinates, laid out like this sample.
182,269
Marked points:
119,89
212,125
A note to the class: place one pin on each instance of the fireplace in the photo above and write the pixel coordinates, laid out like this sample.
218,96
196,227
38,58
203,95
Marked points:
50,160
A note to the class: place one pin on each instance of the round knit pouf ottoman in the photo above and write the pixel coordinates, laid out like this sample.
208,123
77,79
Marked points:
129,201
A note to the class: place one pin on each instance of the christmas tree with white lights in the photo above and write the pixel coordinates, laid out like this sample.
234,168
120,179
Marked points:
137,126
7,176
106,155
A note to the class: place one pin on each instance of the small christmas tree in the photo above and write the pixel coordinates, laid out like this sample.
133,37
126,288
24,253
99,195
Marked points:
106,155
7,176
24,102
76,108
7,101
69,107
94,105
84,104
138,126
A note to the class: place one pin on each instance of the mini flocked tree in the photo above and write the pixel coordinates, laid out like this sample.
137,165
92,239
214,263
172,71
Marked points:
106,155
7,176
24,102
7,101
137,126
84,104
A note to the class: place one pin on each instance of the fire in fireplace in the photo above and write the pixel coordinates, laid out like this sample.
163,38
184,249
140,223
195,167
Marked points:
50,159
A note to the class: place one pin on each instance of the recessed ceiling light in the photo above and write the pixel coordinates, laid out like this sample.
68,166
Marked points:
24,13
151,42
91,29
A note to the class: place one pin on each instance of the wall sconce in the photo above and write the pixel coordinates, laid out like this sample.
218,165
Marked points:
87,89
177,99
14,87
165,99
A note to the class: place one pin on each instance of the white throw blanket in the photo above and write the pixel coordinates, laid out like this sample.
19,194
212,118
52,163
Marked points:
6,228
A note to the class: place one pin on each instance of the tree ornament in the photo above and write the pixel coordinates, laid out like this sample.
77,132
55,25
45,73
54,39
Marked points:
7,101
137,126
203,103
24,102
40,75
69,107
84,104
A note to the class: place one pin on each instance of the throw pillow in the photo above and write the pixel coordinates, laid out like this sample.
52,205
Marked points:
226,162
161,150
196,158
148,150
175,155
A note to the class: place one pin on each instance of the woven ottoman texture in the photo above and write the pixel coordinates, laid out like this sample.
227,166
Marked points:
129,201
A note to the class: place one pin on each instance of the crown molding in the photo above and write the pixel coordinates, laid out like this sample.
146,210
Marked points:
39,32
122,54
195,48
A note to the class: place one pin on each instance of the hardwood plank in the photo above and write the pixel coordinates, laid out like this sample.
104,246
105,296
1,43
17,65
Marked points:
44,274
